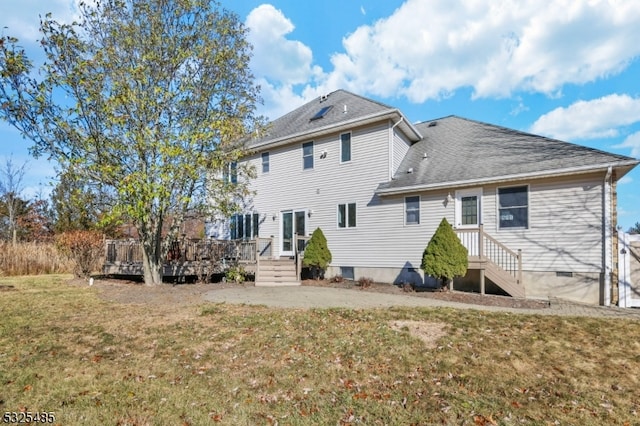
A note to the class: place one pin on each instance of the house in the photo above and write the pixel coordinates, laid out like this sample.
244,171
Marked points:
537,215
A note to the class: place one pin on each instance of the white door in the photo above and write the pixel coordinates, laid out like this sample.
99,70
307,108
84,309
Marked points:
292,223
468,208
629,270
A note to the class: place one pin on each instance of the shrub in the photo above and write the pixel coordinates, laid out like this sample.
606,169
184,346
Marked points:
317,255
236,274
337,279
85,248
445,257
365,282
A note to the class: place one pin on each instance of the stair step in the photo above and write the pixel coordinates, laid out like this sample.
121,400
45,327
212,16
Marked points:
265,283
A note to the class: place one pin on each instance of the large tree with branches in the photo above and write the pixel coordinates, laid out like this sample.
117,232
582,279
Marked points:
147,98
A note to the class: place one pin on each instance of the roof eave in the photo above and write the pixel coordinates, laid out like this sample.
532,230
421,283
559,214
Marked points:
622,168
407,127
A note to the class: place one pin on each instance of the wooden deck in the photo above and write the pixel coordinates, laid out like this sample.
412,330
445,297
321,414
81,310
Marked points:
185,258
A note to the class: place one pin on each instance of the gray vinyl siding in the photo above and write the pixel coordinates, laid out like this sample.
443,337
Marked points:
565,214
321,189
400,148
565,224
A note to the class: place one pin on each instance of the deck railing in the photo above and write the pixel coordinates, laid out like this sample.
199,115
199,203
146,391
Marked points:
301,242
191,250
482,245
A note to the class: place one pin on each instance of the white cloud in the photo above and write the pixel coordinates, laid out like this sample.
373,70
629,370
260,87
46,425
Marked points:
598,118
275,57
22,17
633,142
428,50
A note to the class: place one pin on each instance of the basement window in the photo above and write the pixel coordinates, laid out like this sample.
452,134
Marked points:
347,272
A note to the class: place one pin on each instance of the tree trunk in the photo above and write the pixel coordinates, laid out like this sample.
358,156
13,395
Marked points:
152,259
152,269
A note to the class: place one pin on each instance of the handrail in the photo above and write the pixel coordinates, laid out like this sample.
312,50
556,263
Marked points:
300,244
484,246
185,250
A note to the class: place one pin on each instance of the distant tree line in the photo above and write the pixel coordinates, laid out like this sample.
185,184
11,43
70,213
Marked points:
71,206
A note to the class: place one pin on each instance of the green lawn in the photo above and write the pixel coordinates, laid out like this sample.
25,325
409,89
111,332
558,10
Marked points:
66,351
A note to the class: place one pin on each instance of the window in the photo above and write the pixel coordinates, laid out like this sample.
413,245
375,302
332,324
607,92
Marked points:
307,155
469,210
323,111
265,162
234,172
412,210
244,226
230,173
345,147
347,215
513,207
347,272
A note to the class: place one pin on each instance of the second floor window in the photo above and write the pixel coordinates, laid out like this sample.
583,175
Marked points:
230,173
265,162
307,155
412,210
345,147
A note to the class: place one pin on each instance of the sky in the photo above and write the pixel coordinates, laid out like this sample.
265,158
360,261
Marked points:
567,69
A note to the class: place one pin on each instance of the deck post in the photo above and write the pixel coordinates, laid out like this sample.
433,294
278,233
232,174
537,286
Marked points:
256,278
520,266
481,256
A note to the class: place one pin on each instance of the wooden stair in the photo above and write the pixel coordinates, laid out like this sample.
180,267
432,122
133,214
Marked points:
494,261
503,279
277,273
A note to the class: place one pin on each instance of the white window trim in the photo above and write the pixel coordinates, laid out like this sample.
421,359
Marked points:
346,215
519,228
262,163
350,147
419,210
313,160
458,207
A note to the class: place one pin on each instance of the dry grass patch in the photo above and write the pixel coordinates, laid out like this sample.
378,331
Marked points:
428,332
32,259
65,349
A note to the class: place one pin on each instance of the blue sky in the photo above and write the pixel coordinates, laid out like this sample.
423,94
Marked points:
568,69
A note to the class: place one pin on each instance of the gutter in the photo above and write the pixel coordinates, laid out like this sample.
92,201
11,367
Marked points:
608,249
501,179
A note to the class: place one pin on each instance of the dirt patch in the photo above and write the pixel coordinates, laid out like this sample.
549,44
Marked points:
7,287
134,292
428,332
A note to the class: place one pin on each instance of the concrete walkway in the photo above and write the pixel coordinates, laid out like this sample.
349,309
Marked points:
326,297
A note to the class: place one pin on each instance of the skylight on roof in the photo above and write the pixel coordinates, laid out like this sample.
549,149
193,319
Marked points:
323,111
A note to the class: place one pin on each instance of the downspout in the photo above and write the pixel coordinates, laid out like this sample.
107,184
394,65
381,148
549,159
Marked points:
608,253
391,146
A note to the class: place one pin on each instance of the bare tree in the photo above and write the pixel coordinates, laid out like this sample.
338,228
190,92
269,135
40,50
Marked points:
11,177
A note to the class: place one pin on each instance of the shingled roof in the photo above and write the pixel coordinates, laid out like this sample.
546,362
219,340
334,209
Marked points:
344,109
456,151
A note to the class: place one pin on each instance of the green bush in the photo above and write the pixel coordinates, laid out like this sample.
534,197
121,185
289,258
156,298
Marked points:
445,257
317,255
235,274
